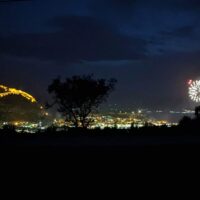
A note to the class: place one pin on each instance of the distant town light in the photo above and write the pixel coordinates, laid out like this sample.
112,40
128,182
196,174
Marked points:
47,114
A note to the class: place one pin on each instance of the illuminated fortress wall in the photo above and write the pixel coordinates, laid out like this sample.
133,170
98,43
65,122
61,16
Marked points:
18,106
12,91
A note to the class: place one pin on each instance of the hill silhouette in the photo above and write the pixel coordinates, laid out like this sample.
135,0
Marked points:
17,108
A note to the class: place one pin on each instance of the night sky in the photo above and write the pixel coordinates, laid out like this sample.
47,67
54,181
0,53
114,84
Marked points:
151,47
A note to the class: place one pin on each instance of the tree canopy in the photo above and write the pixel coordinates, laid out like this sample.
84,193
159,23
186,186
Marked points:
77,97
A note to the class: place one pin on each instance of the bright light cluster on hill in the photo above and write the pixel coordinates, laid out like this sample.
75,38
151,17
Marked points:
12,91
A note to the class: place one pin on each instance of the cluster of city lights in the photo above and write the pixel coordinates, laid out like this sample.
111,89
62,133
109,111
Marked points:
12,91
194,90
119,120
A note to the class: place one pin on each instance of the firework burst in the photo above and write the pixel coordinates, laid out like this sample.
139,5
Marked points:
194,91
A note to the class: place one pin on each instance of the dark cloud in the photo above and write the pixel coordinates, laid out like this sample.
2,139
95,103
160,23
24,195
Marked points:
120,6
77,38
185,31
174,4
188,5
117,10
11,1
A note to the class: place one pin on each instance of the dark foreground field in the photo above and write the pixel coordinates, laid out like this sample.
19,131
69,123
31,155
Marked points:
148,151
151,142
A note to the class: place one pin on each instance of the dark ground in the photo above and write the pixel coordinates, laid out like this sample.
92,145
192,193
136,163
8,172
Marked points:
146,154
148,144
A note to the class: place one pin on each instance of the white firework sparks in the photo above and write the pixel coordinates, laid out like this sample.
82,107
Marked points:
194,91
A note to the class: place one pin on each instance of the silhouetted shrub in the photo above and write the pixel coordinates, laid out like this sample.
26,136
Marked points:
185,121
9,128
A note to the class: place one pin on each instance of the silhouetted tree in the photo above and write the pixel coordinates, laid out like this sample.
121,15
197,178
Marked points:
185,121
9,128
78,96
197,112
